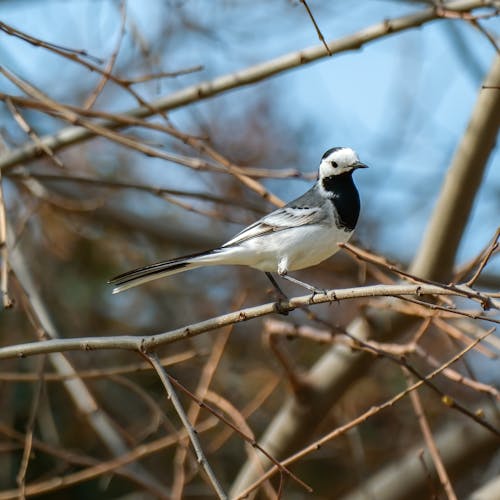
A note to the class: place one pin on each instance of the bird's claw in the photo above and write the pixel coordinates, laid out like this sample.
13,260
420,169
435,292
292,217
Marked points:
280,308
317,291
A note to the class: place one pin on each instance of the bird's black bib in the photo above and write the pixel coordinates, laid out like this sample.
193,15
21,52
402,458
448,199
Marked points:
345,198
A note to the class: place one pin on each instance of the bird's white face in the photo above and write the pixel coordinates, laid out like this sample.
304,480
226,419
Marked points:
338,161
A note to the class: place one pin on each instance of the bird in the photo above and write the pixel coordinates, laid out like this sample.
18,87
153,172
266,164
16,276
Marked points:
299,235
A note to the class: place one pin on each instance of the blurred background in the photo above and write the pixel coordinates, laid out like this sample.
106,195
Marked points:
99,208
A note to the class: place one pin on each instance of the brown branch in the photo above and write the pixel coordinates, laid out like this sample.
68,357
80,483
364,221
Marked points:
163,74
36,42
104,467
28,439
145,343
4,250
457,377
172,396
429,441
247,411
487,256
73,458
248,438
403,362
316,27
28,129
204,381
153,190
382,261
97,372
79,393
91,99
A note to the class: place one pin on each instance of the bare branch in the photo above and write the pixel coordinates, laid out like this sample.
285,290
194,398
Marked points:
91,99
429,440
28,441
163,74
4,252
48,45
172,396
97,372
146,343
487,256
316,27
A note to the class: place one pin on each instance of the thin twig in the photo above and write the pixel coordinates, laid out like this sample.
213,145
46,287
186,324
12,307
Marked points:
47,45
247,411
466,268
163,74
450,310
458,377
228,408
429,441
486,33
97,465
316,27
433,494
91,99
127,120
403,362
204,382
98,420
28,440
445,398
294,376
172,395
248,438
382,261
103,467
153,190
28,129
492,248
97,373
461,337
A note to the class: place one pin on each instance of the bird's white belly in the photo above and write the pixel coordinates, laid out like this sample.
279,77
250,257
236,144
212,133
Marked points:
291,249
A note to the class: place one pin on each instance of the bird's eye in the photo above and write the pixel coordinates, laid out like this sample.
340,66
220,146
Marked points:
334,164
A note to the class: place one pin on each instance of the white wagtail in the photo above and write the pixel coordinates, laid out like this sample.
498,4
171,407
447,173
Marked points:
302,234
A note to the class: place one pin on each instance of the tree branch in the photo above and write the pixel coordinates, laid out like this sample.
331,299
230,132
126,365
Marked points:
147,343
172,396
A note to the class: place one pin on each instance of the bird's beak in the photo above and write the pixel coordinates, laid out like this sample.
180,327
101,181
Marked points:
360,165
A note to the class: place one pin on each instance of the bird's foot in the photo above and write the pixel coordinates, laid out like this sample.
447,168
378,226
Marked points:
281,308
317,291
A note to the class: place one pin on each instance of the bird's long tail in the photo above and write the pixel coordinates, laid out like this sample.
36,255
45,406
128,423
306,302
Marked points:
152,272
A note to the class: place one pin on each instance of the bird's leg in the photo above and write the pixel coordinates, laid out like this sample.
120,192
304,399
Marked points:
311,288
280,295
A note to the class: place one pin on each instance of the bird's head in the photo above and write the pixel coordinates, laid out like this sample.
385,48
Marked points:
338,161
